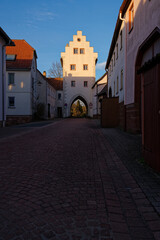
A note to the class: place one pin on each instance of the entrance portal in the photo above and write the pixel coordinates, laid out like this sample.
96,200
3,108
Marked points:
79,108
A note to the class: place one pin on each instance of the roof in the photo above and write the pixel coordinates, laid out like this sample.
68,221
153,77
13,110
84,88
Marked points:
8,41
57,83
99,79
24,55
122,10
103,91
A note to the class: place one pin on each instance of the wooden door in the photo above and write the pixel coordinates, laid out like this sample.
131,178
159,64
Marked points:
151,124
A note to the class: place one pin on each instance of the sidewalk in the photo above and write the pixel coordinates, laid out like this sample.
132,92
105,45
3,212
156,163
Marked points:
19,129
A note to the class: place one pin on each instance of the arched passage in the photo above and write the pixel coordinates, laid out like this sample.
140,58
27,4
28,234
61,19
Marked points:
78,107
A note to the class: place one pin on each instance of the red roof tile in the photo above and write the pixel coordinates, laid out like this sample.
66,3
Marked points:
24,55
57,83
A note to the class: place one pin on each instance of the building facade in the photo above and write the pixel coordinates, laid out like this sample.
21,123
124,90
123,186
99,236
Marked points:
46,97
139,110
99,88
4,41
21,92
78,62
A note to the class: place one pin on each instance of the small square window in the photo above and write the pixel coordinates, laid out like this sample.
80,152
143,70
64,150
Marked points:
85,67
73,83
81,50
85,83
75,50
73,67
11,101
10,78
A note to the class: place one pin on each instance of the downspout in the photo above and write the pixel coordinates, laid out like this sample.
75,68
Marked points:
3,85
123,19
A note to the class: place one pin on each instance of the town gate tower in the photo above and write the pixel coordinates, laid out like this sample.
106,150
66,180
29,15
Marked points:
78,63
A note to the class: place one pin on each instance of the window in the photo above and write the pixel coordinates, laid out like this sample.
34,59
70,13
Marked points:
75,50
73,83
73,66
121,79
59,96
11,102
78,39
85,84
131,17
81,50
10,78
117,84
10,57
85,67
121,38
117,50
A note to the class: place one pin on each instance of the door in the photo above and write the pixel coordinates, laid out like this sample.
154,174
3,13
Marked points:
151,94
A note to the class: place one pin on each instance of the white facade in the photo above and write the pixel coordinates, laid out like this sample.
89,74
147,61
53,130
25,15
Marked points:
97,88
21,86
46,95
146,19
78,62
2,81
24,92
4,41
116,67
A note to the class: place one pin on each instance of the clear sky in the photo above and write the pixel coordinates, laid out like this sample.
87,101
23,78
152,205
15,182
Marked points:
49,25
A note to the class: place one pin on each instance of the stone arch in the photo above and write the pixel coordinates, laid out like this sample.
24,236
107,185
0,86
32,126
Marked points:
80,97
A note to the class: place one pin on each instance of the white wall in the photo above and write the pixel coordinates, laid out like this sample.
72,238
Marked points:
2,78
119,66
79,75
21,90
146,19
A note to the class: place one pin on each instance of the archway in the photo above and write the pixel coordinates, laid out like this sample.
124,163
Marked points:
79,107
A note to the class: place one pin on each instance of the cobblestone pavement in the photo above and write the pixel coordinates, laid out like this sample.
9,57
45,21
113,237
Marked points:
66,181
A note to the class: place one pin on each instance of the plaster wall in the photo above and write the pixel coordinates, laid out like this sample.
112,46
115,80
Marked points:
115,67
2,70
146,19
21,90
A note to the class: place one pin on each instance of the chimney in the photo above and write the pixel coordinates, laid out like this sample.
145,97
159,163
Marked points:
44,73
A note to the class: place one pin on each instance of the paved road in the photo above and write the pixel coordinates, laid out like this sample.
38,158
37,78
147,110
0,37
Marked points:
65,181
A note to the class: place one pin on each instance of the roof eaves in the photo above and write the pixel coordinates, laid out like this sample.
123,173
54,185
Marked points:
8,41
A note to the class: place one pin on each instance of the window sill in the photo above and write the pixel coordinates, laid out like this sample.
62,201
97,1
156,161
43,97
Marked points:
12,107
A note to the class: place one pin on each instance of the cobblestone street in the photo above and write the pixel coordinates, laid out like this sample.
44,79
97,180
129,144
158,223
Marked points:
71,180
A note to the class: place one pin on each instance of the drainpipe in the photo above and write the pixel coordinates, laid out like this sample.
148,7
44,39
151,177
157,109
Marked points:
124,20
3,85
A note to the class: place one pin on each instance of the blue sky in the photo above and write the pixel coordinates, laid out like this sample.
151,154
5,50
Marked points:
49,25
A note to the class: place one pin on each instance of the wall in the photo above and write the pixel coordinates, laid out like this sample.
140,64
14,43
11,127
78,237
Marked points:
2,69
79,75
145,20
119,65
21,90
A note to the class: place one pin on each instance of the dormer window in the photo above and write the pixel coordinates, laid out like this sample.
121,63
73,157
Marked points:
10,57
